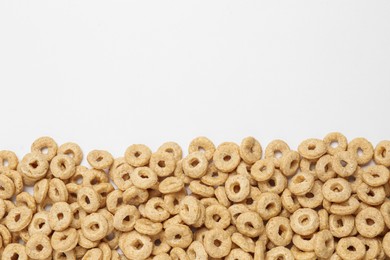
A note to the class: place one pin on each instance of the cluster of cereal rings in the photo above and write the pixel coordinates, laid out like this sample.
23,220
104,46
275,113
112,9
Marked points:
327,200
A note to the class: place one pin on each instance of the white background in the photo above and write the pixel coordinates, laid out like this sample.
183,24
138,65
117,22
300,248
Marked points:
106,74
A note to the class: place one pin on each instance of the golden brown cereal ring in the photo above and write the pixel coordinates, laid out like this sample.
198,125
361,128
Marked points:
289,163
250,224
40,224
213,176
60,216
178,172
62,166
38,247
178,236
217,243
95,226
304,221
279,231
301,183
226,157
93,176
350,248
8,187
57,190
335,142
34,166
324,169
171,148
196,187
202,144
41,189
16,178
18,218
45,146
262,170
324,244
143,177
135,245
362,149
217,216
336,190
170,185
195,251
304,243
345,208
138,155
344,164
289,201
250,150
125,218
122,177
243,242
312,148
376,175
371,195
189,210
276,184
88,199
100,159
8,160
14,251
163,164
195,165
238,254
173,201
156,210
382,153
147,227
269,205
237,188
72,150
313,198
341,226
279,252
369,222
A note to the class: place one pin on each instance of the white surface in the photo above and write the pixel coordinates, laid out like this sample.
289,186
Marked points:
109,74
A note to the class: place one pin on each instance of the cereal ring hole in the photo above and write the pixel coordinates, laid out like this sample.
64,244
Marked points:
157,242
194,162
60,216
309,195
370,221
335,187
34,164
216,217
343,163
94,227
44,150
270,206
303,220
299,179
236,188
217,242
282,231
351,248
227,158
39,247
334,144
339,223
278,154
15,256
137,244
271,182
5,163
177,236
311,147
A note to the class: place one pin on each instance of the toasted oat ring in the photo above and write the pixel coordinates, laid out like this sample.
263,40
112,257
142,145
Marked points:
18,218
335,138
301,183
313,198
244,169
362,149
279,231
138,155
324,244
60,216
308,166
5,236
147,227
323,216
341,226
189,210
198,188
376,175
178,236
289,201
122,176
94,176
173,201
135,196
226,157
34,166
156,210
217,243
26,199
238,254
163,164
279,252
171,185
250,224
85,242
262,170
350,248
8,160
8,187
303,255
135,245
276,184
195,251
371,195
275,150
344,163
202,144
125,218
385,211
72,150
269,205
40,191
237,188
78,214
213,176
160,244
373,247
195,165
38,247
345,208
14,251
324,168
88,199
95,226
382,153
312,148
369,222
100,159
94,253
45,146
250,150
243,242
336,190
236,210
220,195
289,163
386,244
62,166
171,148
304,221
304,243
40,224
57,190
143,177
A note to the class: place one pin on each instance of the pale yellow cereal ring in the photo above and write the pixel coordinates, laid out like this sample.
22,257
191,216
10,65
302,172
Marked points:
196,187
313,198
301,183
178,253
8,160
220,195
195,251
88,199
238,254
289,201
324,168
376,175
236,210
195,165
147,227
60,216
64,241
135,245
269,205
163,164
18,218
62,166
125,218
372,245
57,191
40,191
8,187
173,201
178,236
275,150
250,224
14,251
122,177
276,184
324,244
279,252
289,163
40,224
336,190
38,247
385,211
308,166
172,148
33,167
345,208
72,150
262,170
135,196
341,226
386,244
143,177
371,195
213,176
156,210
304,243
217,216
243,242
303,255
335,142
344,164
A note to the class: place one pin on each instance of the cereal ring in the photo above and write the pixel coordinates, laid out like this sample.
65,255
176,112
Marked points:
386,244
269,205
38,247
259,253
7,187
385,211
60,216
324,168
213,177
34,167
135,245
382,153
64,255
262,170
5,236
324,244
62,166
335,142
336,190
350,248
18,218
8,160
171,185
100,159
289,201
238,254
279,252
304,221
289,163
143,177
196,187
276,184
160,244
226,157
235,210
250,150
376,175
308,166
341,226
279,231
217,243
313,198
135,196
243,242
204,145
125,218
72,150
122,177
156,210
189,210
80,251
138,155
147,227
220,195
345,208
94,176
237,188
195,165
45,146
312,148
14,251
344,164
275,150
371,195
304,243
250,224
77,214
299,254
94,253
362,149
95,226
369,222
114,200
173,201
195,251
163,164
88,199
57,190
178,236
171,148
40,191
40,224
301,183
372,246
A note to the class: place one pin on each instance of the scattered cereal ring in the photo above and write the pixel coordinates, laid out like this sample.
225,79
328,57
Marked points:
369,222
350,248
226,157
217,243
204,145
335,142
138,155
250,150
100,159
361,149
45,146
312,148
304,221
